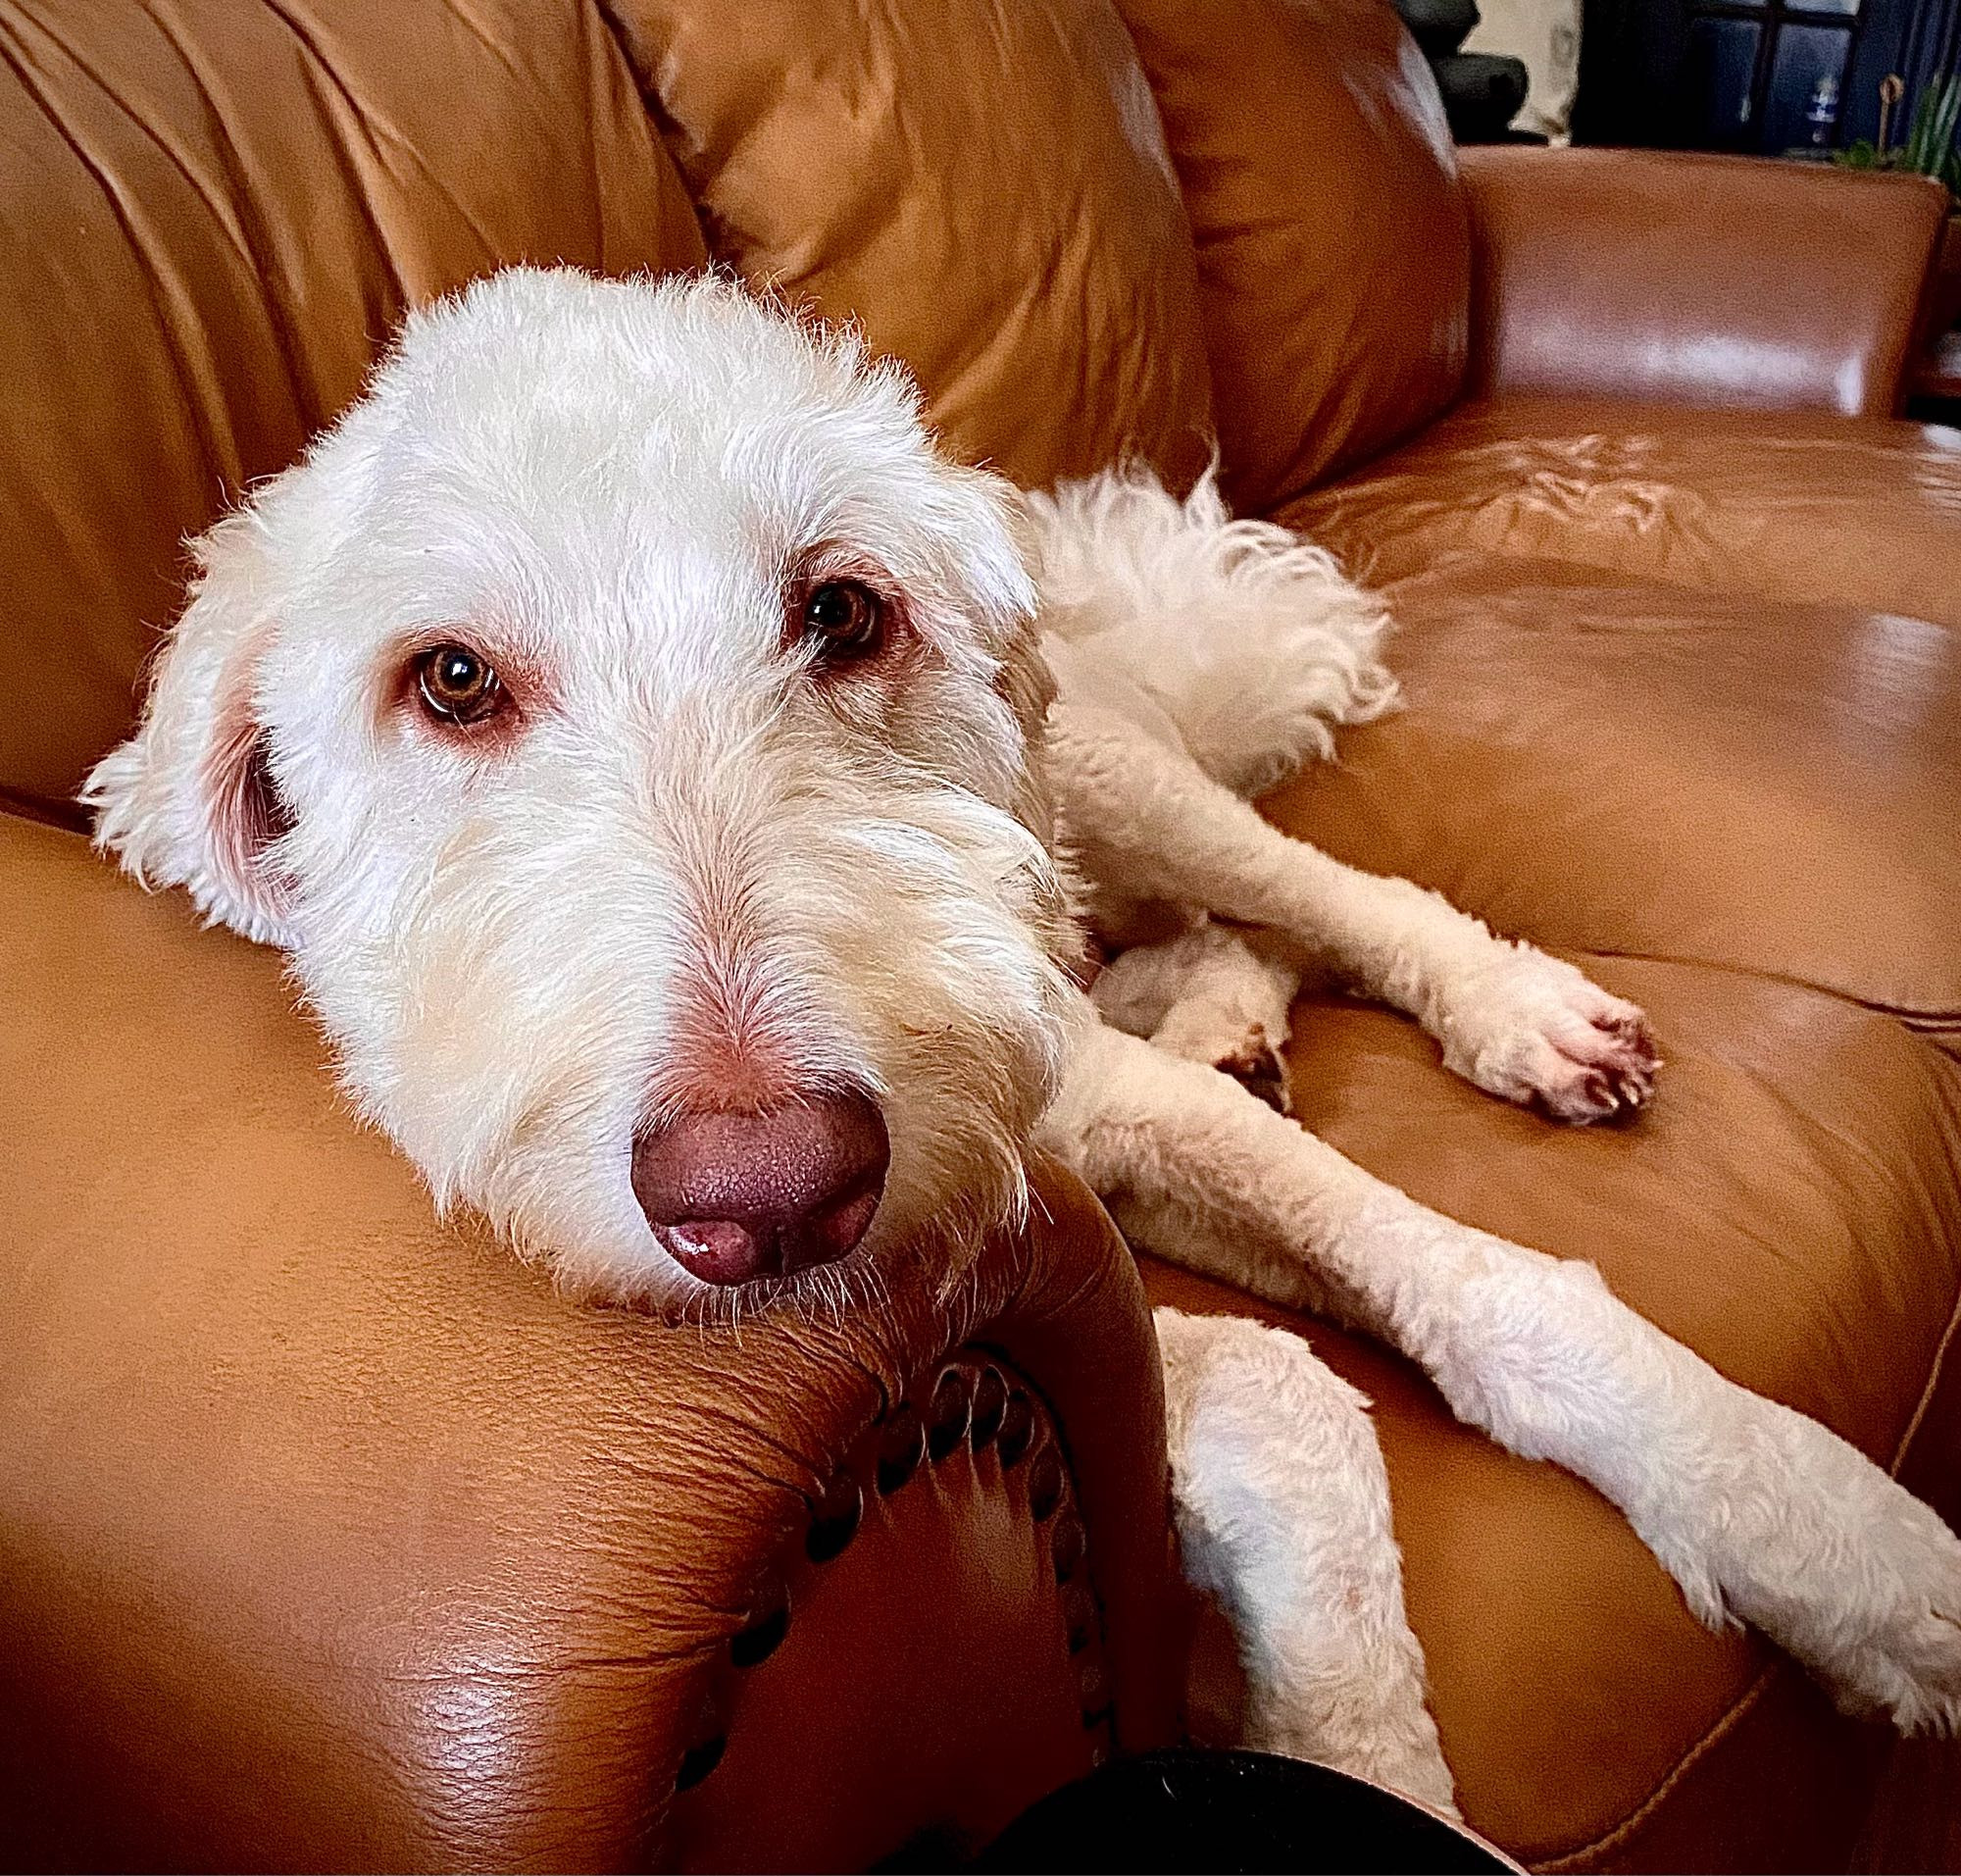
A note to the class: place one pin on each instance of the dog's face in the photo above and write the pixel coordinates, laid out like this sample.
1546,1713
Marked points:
623,719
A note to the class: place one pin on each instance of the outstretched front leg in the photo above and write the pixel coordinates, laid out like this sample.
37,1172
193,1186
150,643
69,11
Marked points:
1518,1024
1757,1512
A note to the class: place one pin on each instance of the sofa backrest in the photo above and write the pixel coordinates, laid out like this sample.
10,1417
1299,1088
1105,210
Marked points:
213,216
1332,235
985,186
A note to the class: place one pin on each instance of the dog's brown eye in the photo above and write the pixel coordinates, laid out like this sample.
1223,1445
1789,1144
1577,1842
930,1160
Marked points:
845,619
457,685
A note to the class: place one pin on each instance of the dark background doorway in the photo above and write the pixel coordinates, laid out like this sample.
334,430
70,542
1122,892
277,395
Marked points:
1746,75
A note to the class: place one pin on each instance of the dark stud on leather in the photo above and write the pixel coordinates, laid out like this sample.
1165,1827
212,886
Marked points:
698,1761
901,1449
1070,1543
834,1522
1045,1485
1078,1614
758,1641
1018,1428
948,1423
990,1402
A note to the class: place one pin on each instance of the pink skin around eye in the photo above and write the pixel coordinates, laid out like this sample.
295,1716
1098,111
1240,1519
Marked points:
522,686
833,564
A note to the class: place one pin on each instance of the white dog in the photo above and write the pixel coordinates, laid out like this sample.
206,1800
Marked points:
642,740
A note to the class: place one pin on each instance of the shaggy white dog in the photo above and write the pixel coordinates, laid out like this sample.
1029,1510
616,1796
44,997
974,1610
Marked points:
642,740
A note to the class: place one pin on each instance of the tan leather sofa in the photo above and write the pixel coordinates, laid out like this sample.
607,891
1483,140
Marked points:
330,1538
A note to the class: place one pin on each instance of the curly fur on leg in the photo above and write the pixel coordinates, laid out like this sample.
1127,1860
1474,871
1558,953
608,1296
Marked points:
1283,1507
1757,1512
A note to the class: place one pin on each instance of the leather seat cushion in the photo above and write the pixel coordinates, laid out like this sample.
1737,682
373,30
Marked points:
1606,764
1788,1208
1789,505
1636,736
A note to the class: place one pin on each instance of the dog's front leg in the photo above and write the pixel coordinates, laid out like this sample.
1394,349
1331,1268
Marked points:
1282,1508
1518,1024
1756,1511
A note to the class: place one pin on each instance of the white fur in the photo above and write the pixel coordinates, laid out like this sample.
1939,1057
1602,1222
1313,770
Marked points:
1283,1512
694,852
605,481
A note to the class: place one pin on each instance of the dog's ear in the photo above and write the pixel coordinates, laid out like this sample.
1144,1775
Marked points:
189,799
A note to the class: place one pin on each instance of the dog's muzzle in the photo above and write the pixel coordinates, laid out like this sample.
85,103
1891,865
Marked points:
734,1196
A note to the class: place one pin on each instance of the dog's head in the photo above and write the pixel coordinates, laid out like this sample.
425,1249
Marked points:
624,718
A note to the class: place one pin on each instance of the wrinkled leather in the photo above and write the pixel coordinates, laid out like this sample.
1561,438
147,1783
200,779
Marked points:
334,1539
984,187
1790,507
211,215
1789,286
1333,248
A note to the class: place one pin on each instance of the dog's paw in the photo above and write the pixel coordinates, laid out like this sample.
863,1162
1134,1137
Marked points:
1844,1568
1254,1064
1532,1028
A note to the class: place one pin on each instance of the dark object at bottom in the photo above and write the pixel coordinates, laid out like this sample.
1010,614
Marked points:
1191,1810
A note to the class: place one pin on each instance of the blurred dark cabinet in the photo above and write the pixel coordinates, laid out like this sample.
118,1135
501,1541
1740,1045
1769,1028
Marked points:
1753,76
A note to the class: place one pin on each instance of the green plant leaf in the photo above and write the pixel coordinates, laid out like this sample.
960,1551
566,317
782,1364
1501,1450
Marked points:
1947,110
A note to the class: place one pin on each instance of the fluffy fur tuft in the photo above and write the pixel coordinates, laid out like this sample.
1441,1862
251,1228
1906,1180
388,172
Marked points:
1243,641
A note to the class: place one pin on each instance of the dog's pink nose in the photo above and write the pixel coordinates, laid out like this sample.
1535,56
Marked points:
734,1196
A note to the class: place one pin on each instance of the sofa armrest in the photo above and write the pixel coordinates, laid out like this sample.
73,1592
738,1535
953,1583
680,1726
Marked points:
1662,277
330,1537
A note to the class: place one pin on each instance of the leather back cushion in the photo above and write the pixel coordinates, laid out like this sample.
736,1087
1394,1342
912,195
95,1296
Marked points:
985,187
1332,235
209,219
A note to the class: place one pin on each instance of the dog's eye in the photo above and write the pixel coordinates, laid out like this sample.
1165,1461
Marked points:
844,617
457,686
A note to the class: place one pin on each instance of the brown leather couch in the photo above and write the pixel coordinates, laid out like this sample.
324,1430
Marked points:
330,1538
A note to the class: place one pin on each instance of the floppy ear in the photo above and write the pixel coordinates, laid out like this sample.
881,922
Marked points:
189,799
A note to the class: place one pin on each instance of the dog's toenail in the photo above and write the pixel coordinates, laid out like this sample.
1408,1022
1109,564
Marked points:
949,1415
990,1402
901,1449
